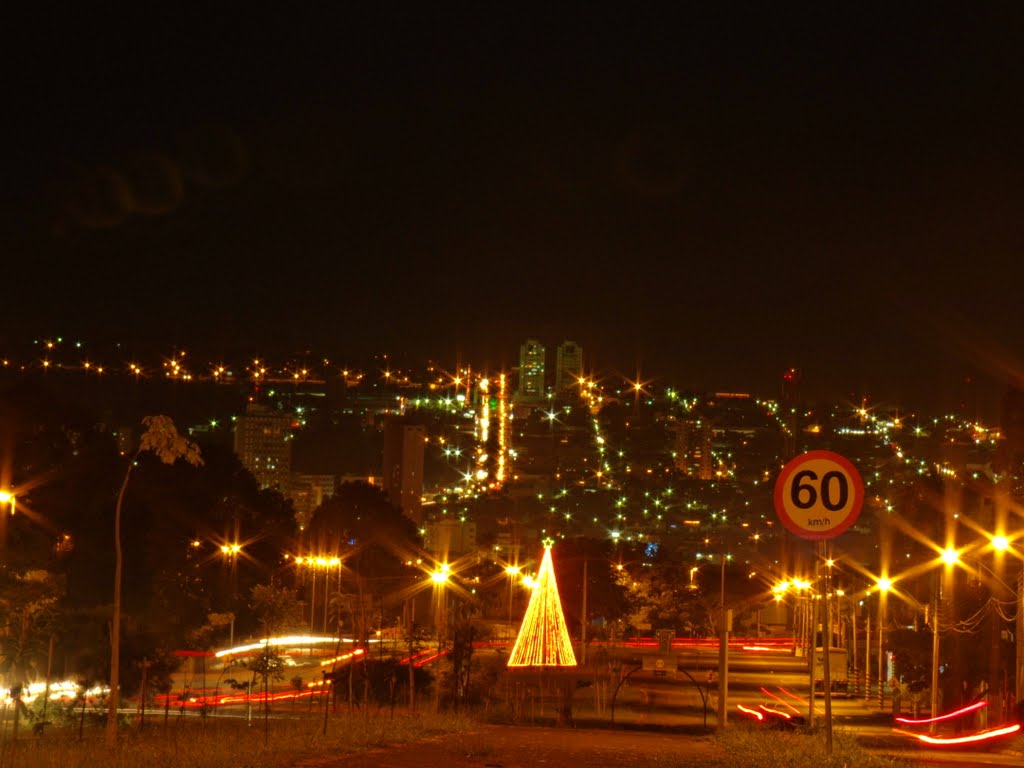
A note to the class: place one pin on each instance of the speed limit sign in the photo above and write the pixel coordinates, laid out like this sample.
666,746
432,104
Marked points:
818,495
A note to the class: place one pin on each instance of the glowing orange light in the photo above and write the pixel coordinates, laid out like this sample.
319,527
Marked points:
781,701
948,716
344,657
971,739
751,712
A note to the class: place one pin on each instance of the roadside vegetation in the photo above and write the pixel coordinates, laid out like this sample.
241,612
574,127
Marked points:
218,742
760,748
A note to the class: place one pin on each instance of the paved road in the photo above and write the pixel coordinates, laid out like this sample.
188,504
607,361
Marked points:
501,746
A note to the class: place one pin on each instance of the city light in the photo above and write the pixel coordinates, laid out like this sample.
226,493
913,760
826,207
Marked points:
586,476
974,738
442,574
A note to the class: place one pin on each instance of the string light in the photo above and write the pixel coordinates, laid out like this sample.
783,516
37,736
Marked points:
543,639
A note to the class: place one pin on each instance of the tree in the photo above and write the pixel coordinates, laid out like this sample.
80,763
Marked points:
359,514
277,608
28,614
267,664
590,559
162,439
369,533
658,597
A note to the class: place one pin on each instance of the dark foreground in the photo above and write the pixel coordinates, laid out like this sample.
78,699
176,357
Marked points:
506,746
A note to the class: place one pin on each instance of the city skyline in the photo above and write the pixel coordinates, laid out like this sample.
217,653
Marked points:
150,361
703,195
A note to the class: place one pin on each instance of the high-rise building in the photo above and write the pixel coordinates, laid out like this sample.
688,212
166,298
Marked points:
308,492
403,466
531,372
449,538
263,443
568,366
692,452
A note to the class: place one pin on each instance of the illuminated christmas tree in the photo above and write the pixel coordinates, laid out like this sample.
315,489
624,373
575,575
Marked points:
543,639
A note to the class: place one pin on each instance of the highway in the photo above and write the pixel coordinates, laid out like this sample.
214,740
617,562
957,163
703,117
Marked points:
623,683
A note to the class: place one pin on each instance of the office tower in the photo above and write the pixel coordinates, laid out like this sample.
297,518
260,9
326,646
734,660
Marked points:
449,538
403,466
693,455
568,366
531,372
309,491
263,445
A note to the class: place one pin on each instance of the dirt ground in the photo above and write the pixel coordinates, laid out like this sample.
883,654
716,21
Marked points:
500,746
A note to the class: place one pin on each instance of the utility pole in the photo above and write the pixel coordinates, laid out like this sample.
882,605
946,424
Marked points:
853,644
935,656
881,654
827,648
867,654
812,650
583,621
1019,638
723,653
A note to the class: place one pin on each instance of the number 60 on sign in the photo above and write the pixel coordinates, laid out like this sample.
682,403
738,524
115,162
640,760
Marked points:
818,495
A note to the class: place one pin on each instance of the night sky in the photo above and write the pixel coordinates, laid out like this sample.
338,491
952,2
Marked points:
713,195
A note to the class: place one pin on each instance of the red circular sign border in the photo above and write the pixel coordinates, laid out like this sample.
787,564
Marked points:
795,463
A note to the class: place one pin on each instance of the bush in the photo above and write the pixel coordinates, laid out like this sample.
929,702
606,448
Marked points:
759,748
218,742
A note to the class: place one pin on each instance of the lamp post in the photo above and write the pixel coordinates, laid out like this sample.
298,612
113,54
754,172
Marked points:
883,585
996,692
314,563
327,563
950,557
6,499
440,578
1019,635
230,553
997,689
723,650
511,571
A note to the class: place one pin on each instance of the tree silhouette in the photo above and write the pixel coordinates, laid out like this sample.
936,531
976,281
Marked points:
162,439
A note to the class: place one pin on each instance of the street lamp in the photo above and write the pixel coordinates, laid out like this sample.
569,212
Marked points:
6,498
884,586
511,571
327,563
950,557
313,563
997,690
439,576
231,553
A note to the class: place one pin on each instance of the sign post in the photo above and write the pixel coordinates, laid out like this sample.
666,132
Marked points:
818,495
